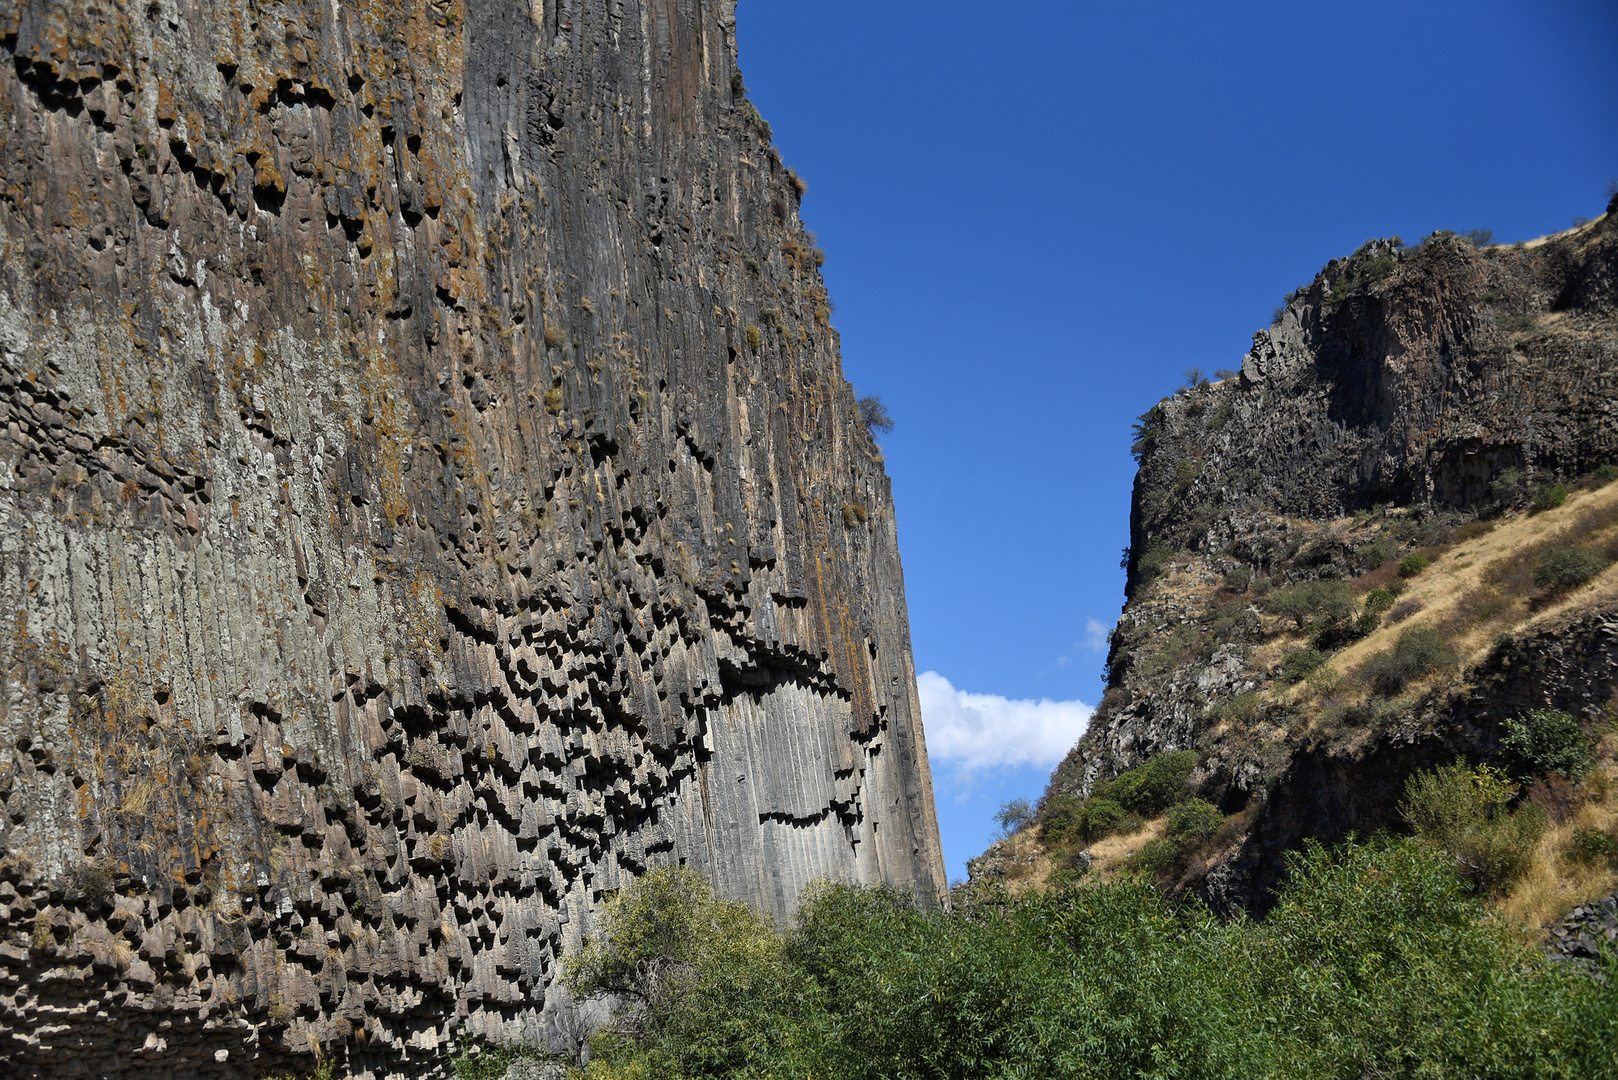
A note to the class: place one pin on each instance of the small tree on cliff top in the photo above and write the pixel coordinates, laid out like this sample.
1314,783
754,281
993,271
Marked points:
874,415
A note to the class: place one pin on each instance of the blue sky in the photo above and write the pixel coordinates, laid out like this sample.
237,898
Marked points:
1038,215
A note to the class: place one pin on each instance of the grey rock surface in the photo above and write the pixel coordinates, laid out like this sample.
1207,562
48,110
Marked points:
1399,378
1589,931
1396,392
429,496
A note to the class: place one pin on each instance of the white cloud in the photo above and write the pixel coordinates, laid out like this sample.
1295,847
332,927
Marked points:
986,731
1095,636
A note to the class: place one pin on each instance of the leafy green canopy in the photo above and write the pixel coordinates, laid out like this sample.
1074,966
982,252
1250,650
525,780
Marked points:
1547,741
1464,812
1376,962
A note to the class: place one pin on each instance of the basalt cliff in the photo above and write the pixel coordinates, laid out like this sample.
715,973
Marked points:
1334,573
429,496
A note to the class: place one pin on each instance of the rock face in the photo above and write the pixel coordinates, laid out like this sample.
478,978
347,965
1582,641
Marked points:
1590,928
429,496
1445,378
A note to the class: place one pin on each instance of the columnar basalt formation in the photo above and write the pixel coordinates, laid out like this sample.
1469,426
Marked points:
429,496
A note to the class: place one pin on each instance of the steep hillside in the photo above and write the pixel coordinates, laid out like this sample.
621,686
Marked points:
429,497
1422,402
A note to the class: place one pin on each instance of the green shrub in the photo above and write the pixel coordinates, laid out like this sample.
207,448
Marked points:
874,415
1374,553
1160,856
1413,564
1324,682
1238,580
1373,962
1334,603
1507,488
1152,788
703,979
1241,709
1101,817
1014,816
1549,497
1301,663
1565,568
322,1071
1418,651
1592,847
1546,741
1292,601
1463,811
1059,819
1605,474
1151,564
1379,600
484,1061
1194,820
1328,604
1066,820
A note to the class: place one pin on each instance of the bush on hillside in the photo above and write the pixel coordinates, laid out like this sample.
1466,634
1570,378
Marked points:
1379,600
1160,856
1014,816
1544,742
1507,488
1592,847
693,970
1151,564
1464,811
1549,497
1418,651
1374,553
1413,564
1195,820
1152,788
1301,663
874,415
1564,568
1101,818
1190,825
1067,820
1327,607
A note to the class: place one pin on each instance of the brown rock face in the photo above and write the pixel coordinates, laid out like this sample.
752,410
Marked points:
429,496
1401,391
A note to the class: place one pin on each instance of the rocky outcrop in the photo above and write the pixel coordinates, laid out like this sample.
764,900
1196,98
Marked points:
1589,931
1402,393
1327,789
1401,378
429,496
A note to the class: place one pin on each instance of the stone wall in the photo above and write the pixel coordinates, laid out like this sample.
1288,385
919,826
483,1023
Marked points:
429,496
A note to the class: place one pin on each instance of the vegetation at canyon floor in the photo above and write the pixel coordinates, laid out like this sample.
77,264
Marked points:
1377,961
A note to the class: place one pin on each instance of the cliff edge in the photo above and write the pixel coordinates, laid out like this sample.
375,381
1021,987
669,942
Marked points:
1336,553
429,496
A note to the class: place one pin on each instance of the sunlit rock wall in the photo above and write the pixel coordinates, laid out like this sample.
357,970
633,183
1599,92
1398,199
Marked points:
429,496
